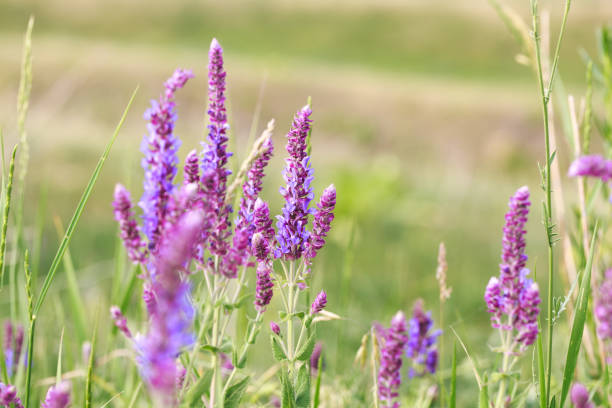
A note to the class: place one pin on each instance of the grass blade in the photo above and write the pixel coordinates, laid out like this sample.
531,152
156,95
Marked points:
453,392
79,210
317,391
5,213
541,371
90,364
573,349
77,305
58,372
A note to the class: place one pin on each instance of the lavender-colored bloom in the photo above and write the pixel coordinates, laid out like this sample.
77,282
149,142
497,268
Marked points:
580,396
264,287
8,396
58,396
8,346
260,247
160,161
603,312
321,224
120,321
149,298
421,346
319,303
262,220
393,342
181,373
19,336
292,234
239,253
591,166
215,154
172,313
275,328
513,299
192,168
315,357
128,227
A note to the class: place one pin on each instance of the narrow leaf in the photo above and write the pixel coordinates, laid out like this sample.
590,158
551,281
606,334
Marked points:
277,350
306,349
234,393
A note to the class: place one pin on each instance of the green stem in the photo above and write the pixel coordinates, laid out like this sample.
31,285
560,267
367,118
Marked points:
30,358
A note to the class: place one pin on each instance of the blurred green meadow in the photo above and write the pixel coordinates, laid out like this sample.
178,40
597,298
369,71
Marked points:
423,120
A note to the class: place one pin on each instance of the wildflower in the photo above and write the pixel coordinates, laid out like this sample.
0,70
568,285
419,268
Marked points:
160,161
260,247
321,225
513,295
445,291
591,166
128,227
8,396
580,396
319,303
120,321
19,335
393,342
215,154
603,312
58,396
172,313
263,288
275,328
421,346
292,234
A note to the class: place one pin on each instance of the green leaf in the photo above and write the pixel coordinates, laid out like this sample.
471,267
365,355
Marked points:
201,387
234,393
287,393
302,388
306,349
573,349
453,393
277,350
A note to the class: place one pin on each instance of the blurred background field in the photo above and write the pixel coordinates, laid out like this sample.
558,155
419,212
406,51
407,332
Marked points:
423,120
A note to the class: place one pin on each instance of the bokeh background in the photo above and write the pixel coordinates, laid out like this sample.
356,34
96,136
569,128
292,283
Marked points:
423,119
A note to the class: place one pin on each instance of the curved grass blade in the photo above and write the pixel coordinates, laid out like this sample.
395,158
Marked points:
573,349
79,210
64,245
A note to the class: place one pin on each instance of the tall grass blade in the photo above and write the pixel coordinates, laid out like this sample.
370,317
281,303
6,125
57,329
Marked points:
573,349
5,214
452,403
317,390
541,371
77,305
90,364
79,210
58,372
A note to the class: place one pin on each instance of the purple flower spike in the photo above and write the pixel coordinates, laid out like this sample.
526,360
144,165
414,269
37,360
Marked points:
319,303
253,184
58,396
192,168
160,161
19,335
513,299
120,321
275,328
292,234
393,342
215,154
128,227
591,166
8,346
322,221
421,347
603,313
263,288
580,396
172,313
